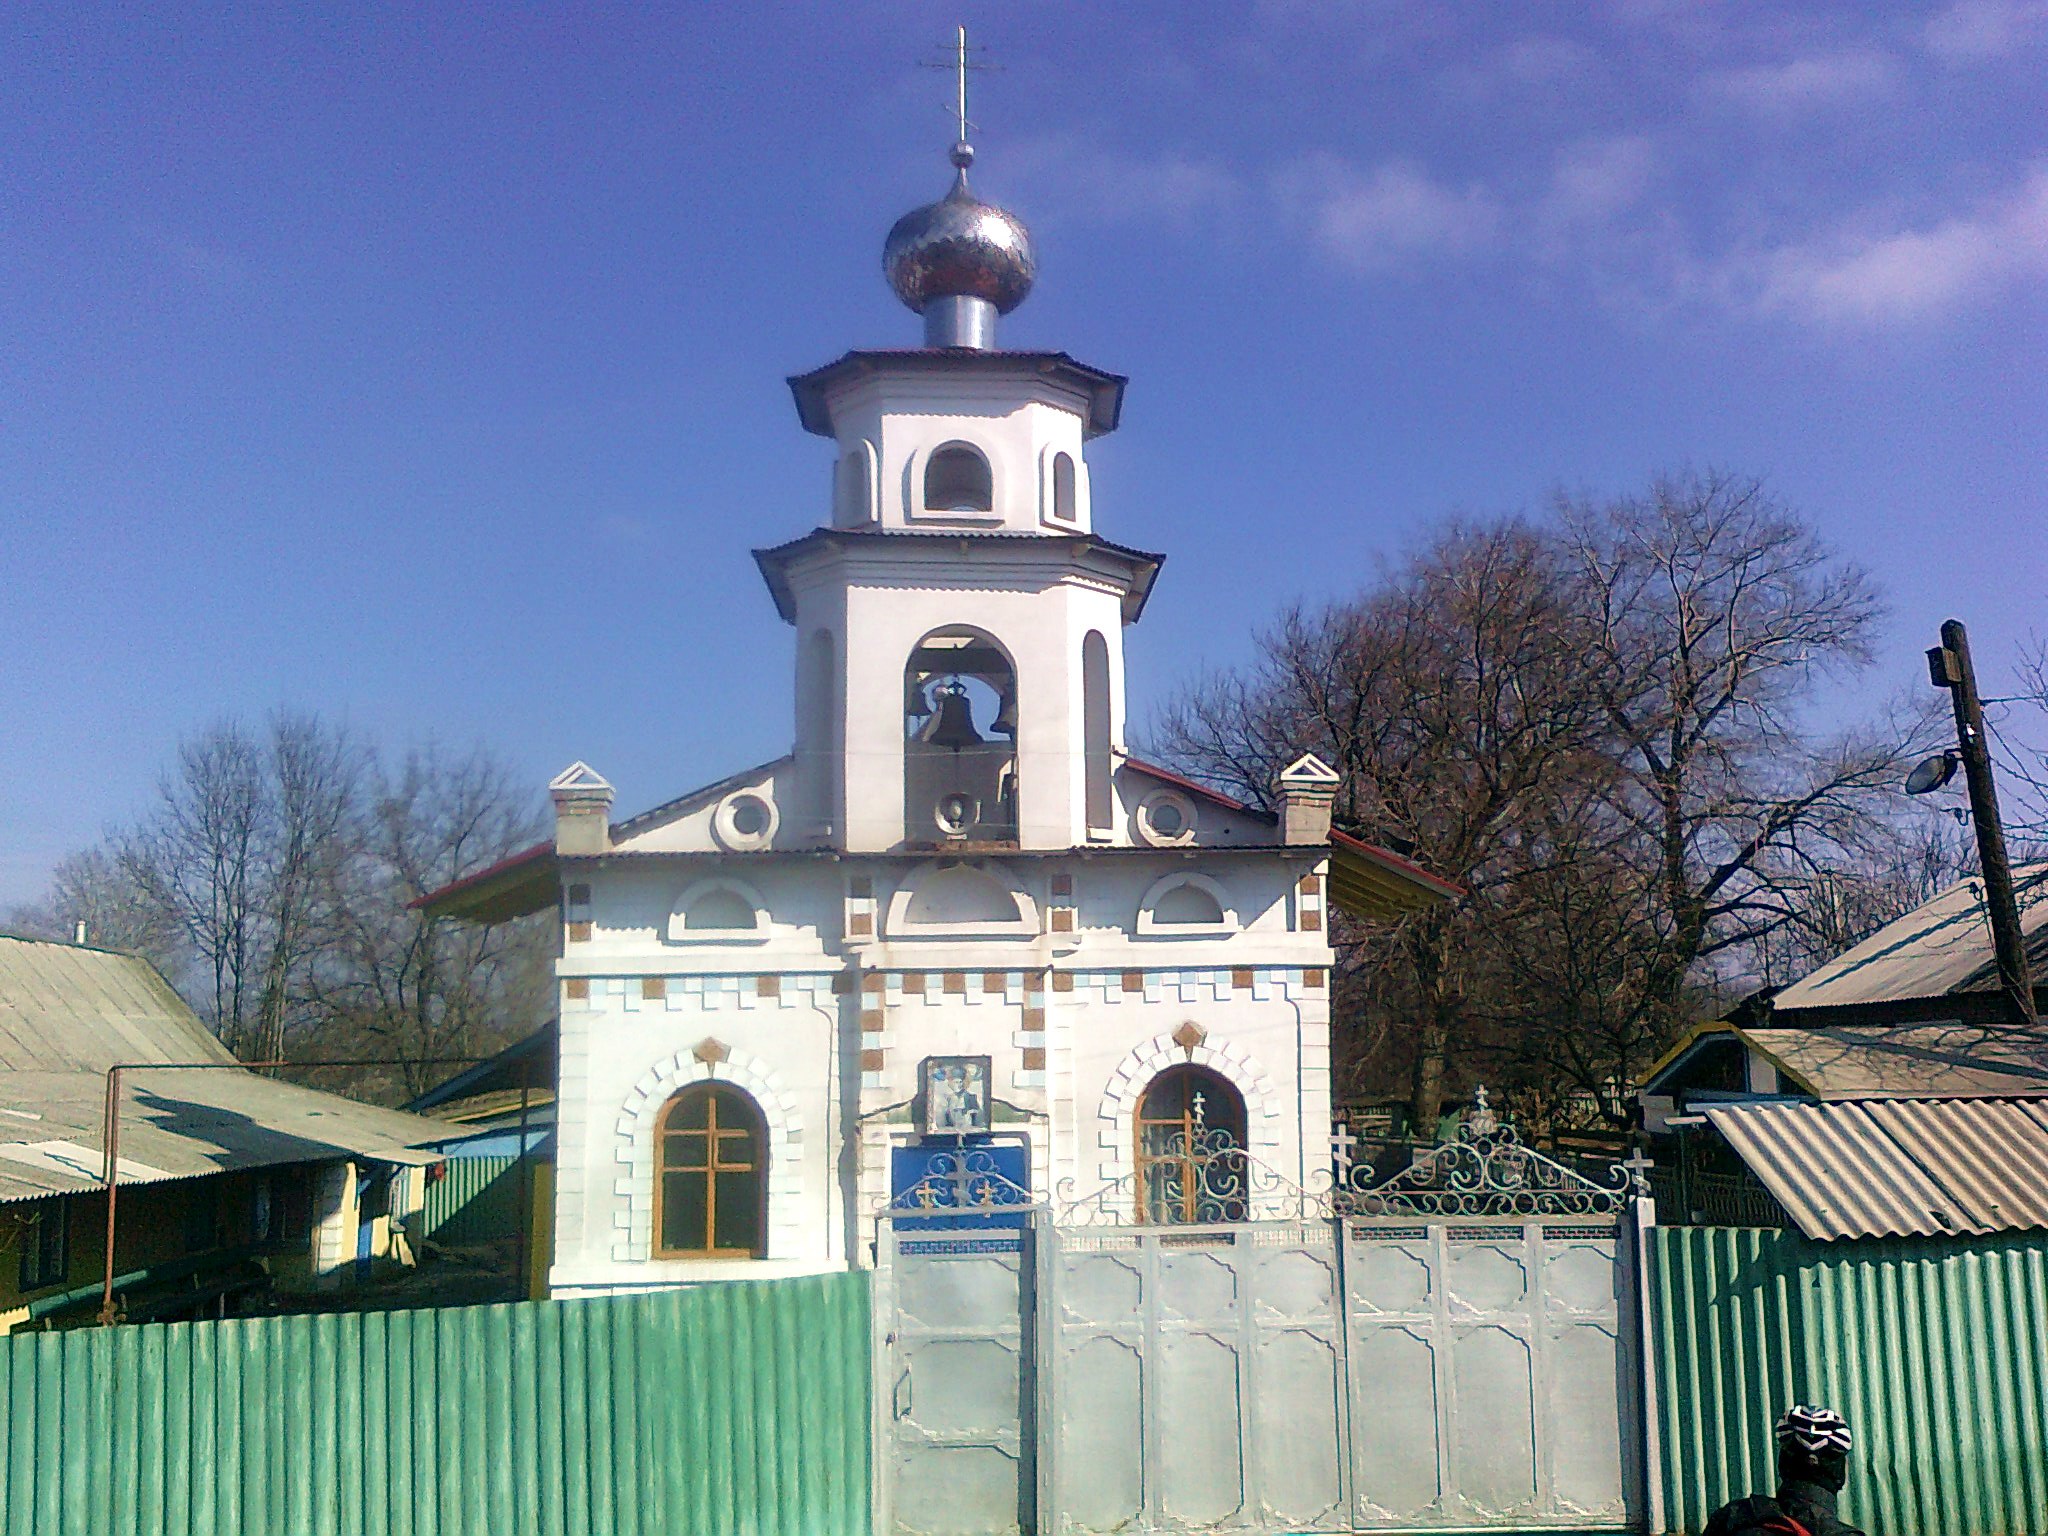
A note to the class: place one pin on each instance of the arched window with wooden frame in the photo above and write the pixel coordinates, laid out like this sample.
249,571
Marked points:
1191,1167
711,1176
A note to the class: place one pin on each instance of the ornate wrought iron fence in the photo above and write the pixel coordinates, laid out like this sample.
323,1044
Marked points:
1488,1171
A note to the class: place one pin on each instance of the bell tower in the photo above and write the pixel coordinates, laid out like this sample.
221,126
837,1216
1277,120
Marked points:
960,649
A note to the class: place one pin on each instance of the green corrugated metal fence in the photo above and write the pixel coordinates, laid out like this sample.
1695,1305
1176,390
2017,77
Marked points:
723,1408
1936,1351
476,1201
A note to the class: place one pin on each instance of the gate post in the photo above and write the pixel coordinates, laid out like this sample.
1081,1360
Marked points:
1643,1217
1041,1335
882,1365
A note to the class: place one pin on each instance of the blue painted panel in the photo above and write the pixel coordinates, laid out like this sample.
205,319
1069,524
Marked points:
933,1173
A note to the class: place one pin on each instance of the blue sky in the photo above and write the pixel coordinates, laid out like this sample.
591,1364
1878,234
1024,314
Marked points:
424,364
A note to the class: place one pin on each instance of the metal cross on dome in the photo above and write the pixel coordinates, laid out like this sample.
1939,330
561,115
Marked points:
959,59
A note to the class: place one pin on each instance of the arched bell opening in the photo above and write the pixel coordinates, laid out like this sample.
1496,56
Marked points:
960,740
957,478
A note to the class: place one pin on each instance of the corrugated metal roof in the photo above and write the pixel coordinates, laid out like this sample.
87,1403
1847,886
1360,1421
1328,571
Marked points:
1873,1061
68,1013
1907,1060
66,1007
1897,1167
1942,947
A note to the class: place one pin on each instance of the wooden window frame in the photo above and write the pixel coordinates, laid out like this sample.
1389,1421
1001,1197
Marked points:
716,1093
1237,1120
42,1263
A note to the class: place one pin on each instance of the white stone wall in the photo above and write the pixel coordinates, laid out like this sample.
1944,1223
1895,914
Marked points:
1017,424
826,1029
1033,600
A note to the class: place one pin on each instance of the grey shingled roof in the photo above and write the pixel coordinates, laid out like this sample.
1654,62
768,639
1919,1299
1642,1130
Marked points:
68,1013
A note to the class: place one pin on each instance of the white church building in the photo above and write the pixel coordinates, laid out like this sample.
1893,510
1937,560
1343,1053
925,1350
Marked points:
958,914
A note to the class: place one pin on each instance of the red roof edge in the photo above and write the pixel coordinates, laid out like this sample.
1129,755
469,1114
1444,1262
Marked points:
1345,840
1181,781
457,887
1380,855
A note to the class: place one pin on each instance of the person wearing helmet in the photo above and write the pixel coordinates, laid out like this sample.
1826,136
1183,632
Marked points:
1813,1462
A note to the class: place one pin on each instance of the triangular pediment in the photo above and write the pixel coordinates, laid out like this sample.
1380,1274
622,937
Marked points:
1309,769
579,775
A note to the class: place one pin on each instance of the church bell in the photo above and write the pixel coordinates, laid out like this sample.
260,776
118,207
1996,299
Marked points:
952,721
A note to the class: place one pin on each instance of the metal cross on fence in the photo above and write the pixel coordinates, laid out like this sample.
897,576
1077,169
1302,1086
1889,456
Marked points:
1639,1166
1342,1144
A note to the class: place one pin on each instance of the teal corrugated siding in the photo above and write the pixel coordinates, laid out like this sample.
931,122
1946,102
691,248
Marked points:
1935,1350
719,1409
476,1201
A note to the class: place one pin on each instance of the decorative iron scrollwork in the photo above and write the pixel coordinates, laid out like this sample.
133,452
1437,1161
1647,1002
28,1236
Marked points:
1201,1179
1487,1171
962,1182
1204,1177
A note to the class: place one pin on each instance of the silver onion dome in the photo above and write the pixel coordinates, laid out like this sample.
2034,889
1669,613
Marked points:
960,262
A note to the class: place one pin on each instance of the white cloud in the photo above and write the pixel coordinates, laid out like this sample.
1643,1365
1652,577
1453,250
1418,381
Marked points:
1527,63
1804,84
1606,212
1595,180
1380,218
1064,173
1973,31
1873,277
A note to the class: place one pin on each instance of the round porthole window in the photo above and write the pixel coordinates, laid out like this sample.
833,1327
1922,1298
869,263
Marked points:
1166,819
745,822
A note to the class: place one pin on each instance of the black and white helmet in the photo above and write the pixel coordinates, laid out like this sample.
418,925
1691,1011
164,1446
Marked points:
1814,1431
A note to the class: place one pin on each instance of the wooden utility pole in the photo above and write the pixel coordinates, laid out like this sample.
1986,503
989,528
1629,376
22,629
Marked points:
1948,664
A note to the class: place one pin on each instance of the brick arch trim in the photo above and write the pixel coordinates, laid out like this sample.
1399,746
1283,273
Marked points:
1118,1113
634,1140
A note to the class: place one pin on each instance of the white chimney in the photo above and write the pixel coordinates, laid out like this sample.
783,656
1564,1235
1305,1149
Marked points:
1306,790
583,811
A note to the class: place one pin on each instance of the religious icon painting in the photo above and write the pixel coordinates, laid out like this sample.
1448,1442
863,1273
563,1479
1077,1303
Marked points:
956,1099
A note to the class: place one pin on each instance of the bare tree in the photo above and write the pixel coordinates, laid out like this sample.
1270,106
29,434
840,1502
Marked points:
196,858
1711,611
270,880
231,856
1600,725
2019,742
314,773
92,896
399,983
1450,699
1904,861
